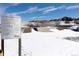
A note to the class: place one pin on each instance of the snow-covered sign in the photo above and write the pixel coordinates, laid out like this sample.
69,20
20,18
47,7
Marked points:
10,27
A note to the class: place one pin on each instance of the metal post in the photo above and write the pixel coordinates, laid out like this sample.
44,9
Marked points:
19,47
2,46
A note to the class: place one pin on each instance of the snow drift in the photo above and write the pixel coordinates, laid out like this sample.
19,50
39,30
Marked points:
44,44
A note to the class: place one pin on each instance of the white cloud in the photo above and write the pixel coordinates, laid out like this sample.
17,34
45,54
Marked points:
72,7
62,7
45,8
14,4
30,10
43,17
53,9
36,17
49,10
35,9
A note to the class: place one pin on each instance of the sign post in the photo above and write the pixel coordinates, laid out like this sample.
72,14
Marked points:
2,46
11,29
19,46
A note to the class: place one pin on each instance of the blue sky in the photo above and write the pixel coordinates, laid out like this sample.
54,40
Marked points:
29,11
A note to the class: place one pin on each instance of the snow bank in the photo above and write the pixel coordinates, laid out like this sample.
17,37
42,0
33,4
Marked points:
50,43
45,44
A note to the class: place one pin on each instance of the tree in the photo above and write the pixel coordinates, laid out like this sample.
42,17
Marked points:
67,19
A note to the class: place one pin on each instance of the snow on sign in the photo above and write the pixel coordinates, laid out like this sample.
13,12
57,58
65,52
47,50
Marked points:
10,27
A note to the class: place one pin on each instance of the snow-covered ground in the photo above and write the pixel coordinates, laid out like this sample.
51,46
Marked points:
45,44
50,43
